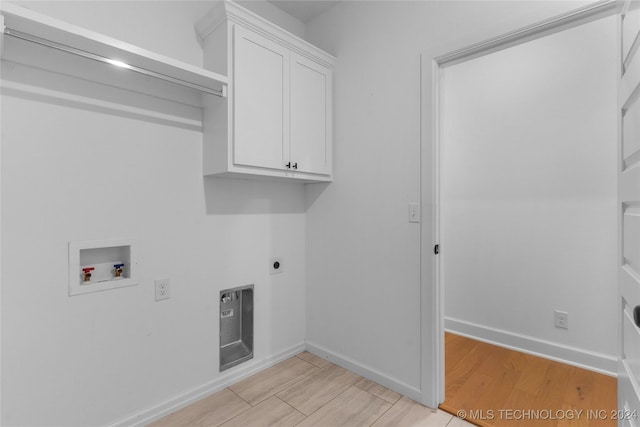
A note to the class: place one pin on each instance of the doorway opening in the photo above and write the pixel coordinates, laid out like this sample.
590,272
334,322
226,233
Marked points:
506,220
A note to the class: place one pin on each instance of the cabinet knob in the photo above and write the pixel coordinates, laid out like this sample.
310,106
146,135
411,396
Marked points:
288,165
295,165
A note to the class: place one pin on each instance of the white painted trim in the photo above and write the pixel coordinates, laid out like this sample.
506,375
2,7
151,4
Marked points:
20,89
558,23
1,51
229,10
210,22
367,372
593,361
431,296
188,397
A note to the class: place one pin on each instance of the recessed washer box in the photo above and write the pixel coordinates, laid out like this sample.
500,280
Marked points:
100,265
236,326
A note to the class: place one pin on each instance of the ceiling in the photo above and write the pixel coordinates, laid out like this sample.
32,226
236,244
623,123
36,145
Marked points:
304,10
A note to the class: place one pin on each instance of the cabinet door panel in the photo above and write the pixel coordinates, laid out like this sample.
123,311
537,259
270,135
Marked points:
261,101
311,86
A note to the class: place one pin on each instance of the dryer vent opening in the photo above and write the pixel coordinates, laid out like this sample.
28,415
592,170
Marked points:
236,326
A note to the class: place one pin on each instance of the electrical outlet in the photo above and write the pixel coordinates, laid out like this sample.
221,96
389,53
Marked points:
162,289
561,319
275,265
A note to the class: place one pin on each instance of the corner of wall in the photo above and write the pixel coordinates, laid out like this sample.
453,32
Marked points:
276,15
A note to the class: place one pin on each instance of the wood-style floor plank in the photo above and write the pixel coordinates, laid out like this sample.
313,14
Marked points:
272,412
353,408
458,347
361,404
313,359
505,373
531,380
578,392
407,413
210,411
504,388
461,371
518,399
378,390
265,384
605,398
551,394
308,395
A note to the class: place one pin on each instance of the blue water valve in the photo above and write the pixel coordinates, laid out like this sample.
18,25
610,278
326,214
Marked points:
118,269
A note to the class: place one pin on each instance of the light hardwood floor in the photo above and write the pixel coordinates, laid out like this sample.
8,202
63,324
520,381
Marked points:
498,387
307,390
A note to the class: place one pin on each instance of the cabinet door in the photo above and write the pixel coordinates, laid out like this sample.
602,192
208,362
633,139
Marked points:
311,92
261,101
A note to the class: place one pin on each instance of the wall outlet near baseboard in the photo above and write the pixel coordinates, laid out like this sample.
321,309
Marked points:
162,289
561,319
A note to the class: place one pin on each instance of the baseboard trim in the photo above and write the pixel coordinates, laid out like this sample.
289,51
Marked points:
593,361
597,362
238,373
365,371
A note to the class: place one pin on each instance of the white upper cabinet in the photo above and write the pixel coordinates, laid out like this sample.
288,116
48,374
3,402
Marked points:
261,95
276,122
310,115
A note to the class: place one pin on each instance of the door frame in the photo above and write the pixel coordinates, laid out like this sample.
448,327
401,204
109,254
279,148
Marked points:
628,67
432,385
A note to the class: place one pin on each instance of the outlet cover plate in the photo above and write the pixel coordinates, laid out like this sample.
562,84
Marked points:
561,319
162,289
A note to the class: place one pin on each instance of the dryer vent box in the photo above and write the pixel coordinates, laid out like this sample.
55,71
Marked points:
236,326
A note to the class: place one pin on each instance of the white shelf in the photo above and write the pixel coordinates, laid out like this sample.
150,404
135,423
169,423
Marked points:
61,33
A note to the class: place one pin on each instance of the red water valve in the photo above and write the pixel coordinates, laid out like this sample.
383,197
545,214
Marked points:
87,273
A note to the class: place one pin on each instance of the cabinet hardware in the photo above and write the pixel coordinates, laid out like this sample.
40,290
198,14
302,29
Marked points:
288,165
295,165
436,249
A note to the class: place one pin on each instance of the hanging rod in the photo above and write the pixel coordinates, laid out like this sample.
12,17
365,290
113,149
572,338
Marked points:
64,48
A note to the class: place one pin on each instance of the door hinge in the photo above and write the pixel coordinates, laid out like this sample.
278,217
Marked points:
436,249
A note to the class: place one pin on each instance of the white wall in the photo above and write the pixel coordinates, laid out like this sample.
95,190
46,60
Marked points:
74,171
92,359
275,15
363,261
174,19
529,190
165,27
